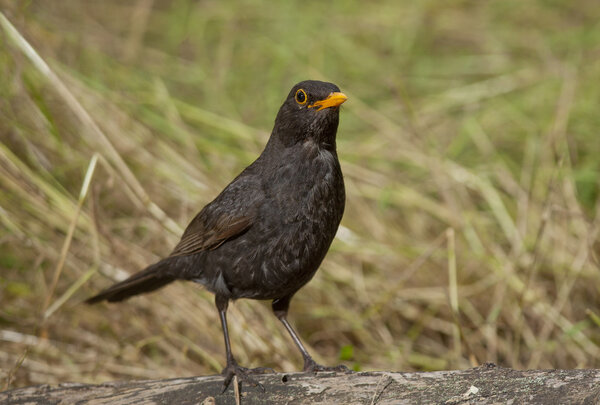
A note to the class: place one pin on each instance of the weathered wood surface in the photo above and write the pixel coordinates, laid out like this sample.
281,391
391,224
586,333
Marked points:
487,384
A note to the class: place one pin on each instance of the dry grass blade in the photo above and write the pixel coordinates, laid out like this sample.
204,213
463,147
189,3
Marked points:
453,290
67,243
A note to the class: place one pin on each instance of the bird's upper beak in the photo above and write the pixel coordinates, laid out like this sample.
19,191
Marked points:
333,100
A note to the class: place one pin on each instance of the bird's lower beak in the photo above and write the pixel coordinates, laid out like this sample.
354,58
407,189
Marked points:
333,100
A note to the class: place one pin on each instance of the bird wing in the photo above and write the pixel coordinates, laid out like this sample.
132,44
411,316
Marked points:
229,215
207,233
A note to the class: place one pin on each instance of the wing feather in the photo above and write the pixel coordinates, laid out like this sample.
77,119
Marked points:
201,236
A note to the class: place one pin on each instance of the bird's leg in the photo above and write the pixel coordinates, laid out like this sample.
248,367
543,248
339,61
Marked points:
232,368
280,309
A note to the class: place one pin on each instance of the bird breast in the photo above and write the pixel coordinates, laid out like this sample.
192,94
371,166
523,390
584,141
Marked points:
295,226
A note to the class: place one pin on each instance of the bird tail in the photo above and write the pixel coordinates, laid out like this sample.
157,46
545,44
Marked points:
149,279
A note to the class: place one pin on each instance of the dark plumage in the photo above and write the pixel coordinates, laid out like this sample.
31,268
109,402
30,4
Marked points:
267,232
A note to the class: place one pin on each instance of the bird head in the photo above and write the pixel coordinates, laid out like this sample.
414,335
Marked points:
310,111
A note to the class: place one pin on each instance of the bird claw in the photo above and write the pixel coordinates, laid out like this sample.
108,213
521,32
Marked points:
313,367
243,375
261,370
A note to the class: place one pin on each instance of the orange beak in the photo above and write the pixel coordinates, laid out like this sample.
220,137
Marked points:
333,100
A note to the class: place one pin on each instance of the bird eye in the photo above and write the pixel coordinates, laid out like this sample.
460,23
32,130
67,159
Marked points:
301,97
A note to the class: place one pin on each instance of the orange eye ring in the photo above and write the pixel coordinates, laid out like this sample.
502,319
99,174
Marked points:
301,97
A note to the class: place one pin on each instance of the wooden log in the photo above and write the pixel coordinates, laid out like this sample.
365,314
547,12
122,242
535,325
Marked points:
487,384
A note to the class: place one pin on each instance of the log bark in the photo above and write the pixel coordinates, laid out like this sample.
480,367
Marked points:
487,384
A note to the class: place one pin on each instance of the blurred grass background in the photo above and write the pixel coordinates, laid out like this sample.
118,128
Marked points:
469,146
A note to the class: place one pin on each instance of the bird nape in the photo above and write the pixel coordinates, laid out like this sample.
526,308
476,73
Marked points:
265,235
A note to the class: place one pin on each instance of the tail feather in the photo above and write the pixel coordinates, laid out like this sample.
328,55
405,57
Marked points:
150,279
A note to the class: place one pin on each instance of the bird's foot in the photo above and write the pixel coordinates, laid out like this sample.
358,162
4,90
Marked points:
243,374
311,366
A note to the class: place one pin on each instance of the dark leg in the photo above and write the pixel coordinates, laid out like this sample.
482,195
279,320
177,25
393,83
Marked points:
222,305
280,309
232,368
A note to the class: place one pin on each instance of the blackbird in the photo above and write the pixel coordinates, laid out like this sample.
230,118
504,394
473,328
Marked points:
266,234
